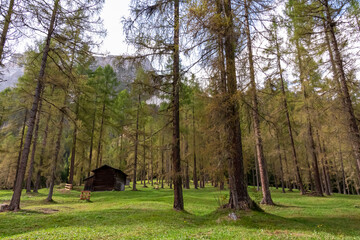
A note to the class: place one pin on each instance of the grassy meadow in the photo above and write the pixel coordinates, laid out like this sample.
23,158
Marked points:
148,214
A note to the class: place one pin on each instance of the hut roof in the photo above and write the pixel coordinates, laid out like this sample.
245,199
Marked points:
88,177
107,166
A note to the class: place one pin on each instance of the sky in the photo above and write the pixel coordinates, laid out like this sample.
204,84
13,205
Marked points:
112,14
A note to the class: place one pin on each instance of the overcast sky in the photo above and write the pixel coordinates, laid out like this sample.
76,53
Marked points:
113,12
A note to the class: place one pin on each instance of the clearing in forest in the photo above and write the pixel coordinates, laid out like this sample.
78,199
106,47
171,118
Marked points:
148,214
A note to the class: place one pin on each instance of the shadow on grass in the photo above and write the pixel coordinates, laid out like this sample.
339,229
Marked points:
131,209
169,219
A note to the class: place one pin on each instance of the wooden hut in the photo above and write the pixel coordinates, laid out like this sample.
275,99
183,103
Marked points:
106,178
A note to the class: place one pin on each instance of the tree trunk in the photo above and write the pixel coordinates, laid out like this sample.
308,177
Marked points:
56,154
91,143
32,159
151,159
342,170
239,197
99,149
15,201
295,159
187,178
256,171
7,21
73,151
136,143
340,73
286,109
42,154
144,159
195,180
281,165
162,161
255,114
322,151
20,148
178,195
312,146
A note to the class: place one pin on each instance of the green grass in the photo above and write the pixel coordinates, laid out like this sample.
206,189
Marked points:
148,214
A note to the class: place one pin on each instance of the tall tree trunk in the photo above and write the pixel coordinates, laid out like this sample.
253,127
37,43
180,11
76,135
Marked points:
162,161
7,21
255,114
239,197
144,159
312,146
20,148
15,201
286,109
295,159
136,143
280,161
195,179
186,158
99,148
73,151
322,151
178,195
91,143
256,171
151,158
340,73
56,153
342,170
326,169
288,182
32,159
311,183
42,153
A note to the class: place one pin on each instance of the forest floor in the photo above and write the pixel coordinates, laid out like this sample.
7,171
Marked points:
148,214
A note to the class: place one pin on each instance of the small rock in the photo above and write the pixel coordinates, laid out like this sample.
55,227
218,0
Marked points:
233,216
3,207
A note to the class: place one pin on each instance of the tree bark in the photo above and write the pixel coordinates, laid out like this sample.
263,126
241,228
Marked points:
281,165
162,161
342,170
56,154
32,159
178,195
144,159
255,114
151,158
340,73
15,201
91,143
136,143
99,149
256,171
73,151
20,148
7,21
42,154
239,197
312,146
195,179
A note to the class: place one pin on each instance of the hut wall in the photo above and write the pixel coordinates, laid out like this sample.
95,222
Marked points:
120,181
89,184
104,180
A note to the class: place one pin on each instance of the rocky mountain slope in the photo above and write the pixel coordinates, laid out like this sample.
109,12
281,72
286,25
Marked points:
125,69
